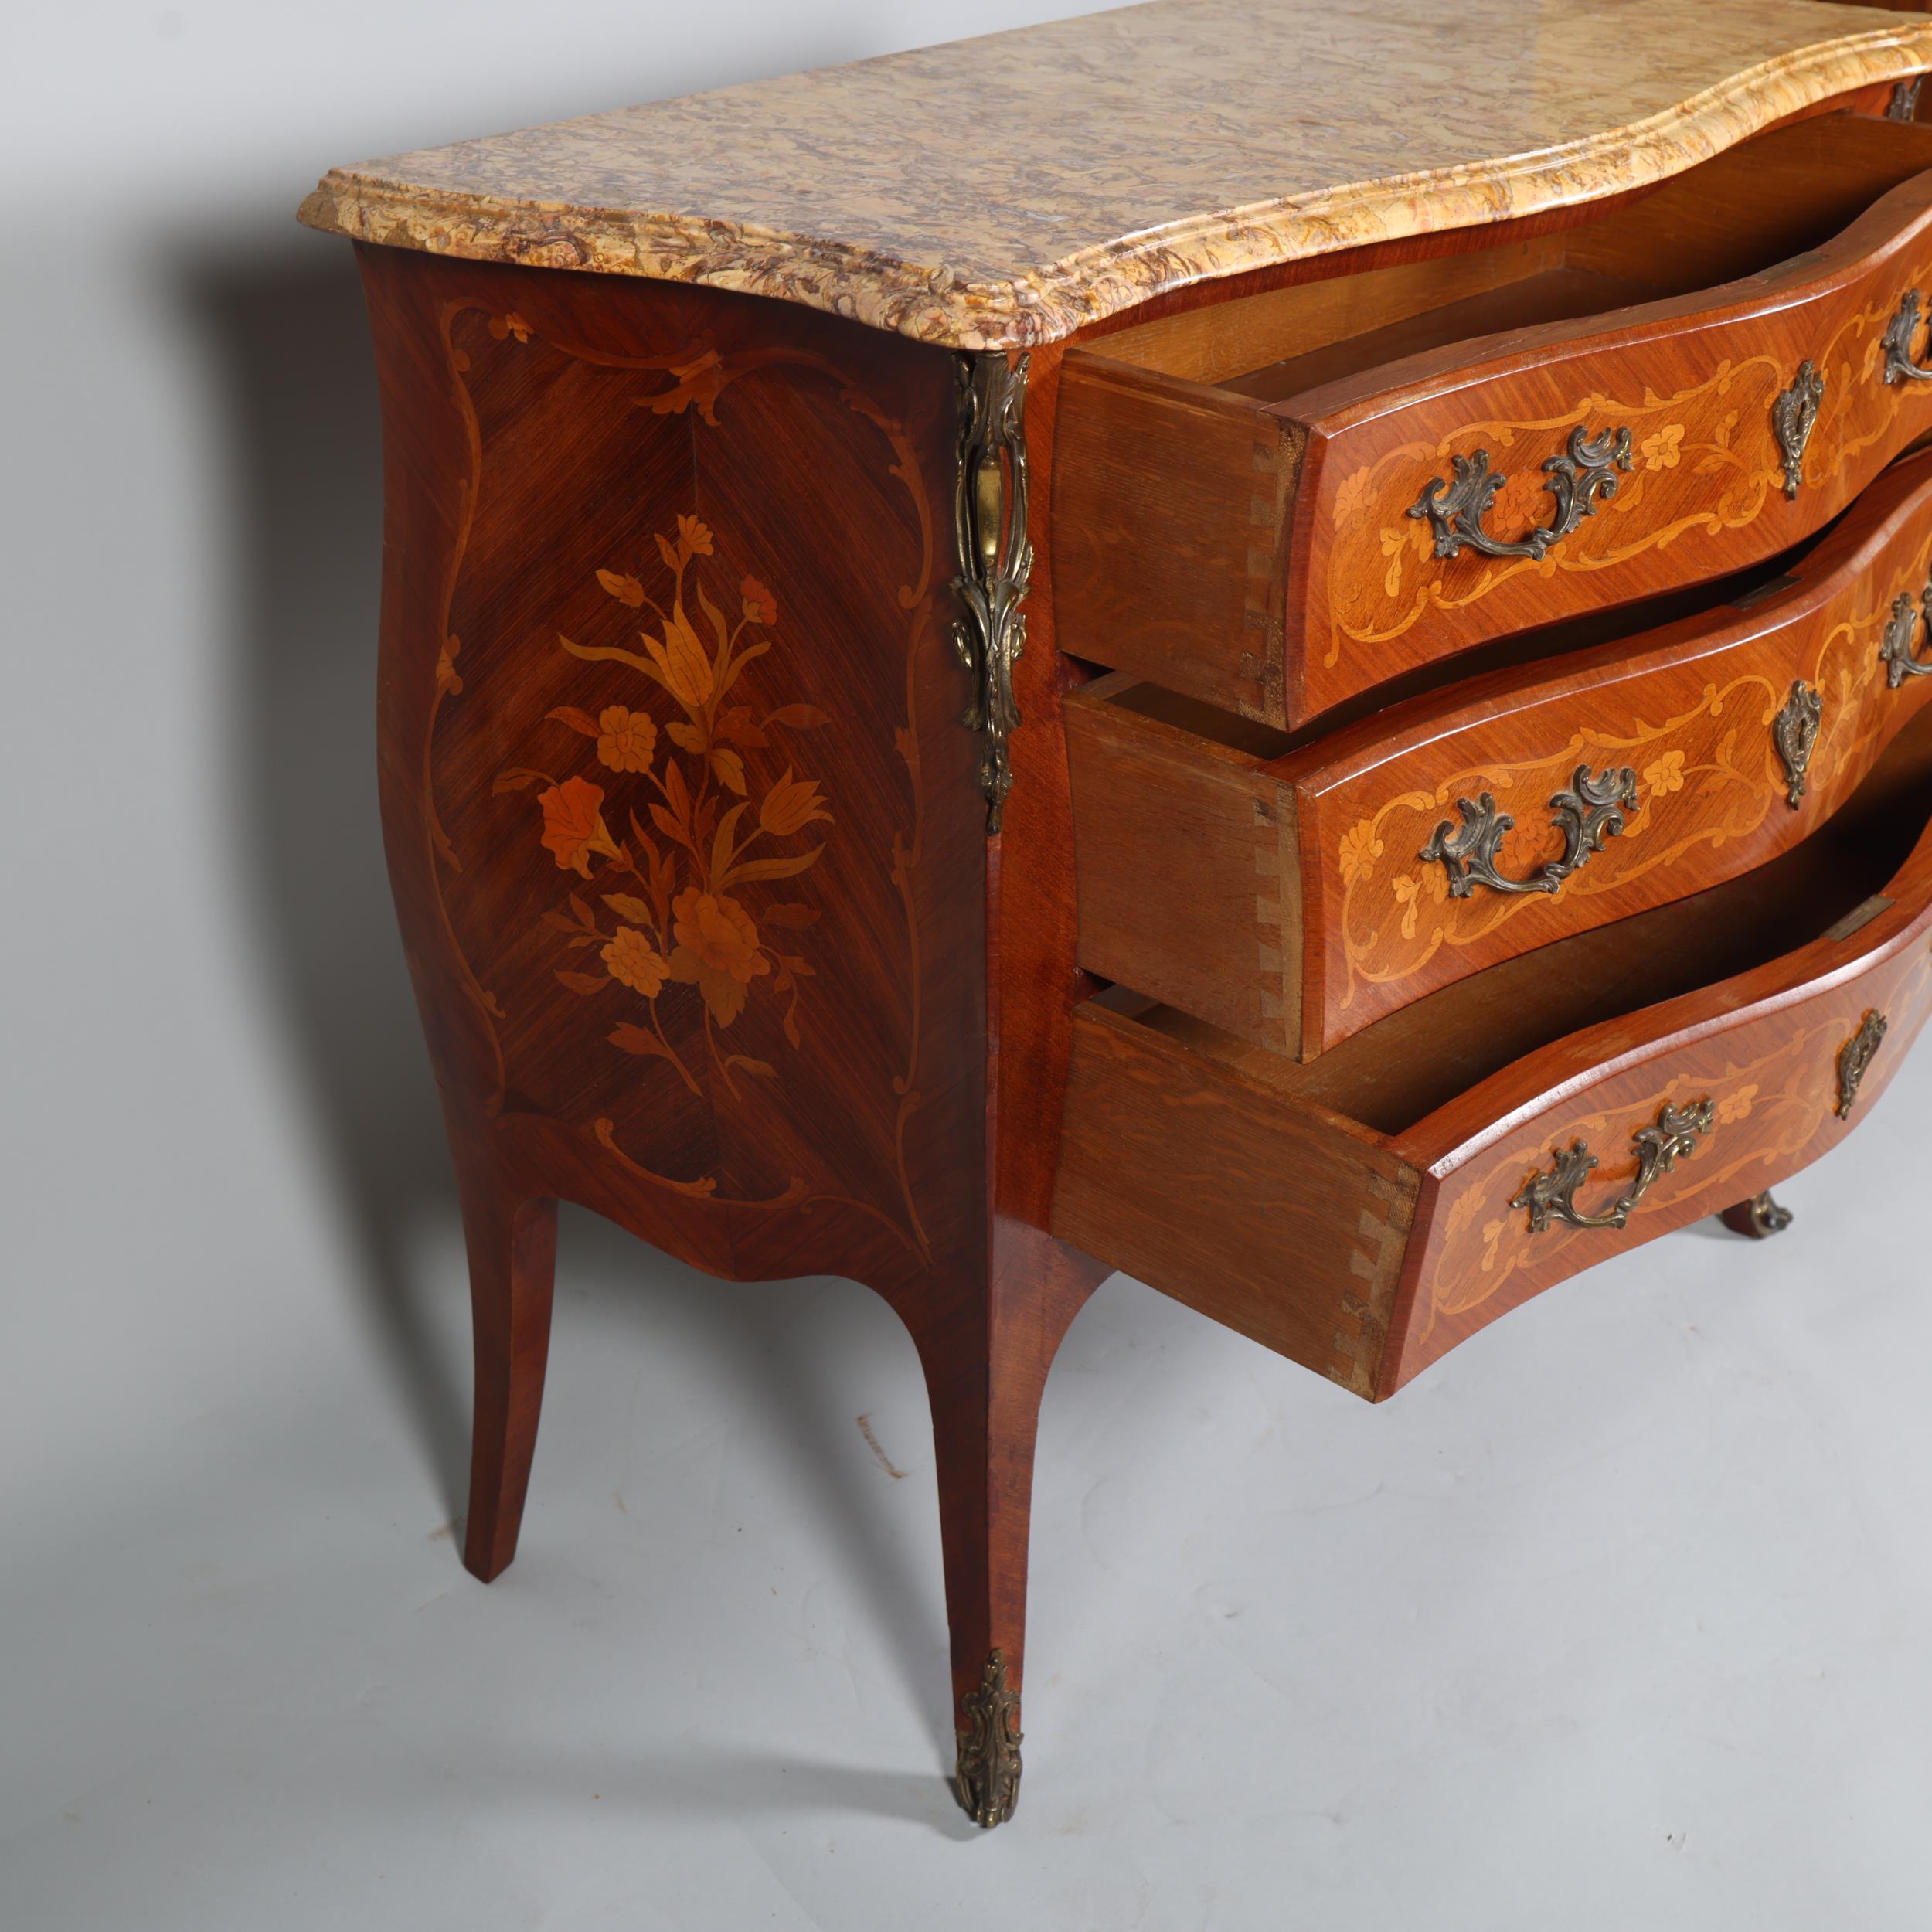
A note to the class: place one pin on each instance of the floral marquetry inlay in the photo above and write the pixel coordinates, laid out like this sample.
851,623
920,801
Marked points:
1707,458
1704,460
1774,1086
667,738
687,888
1703,769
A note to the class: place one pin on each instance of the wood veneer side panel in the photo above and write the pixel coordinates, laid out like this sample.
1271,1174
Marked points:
1763,1048
1187,869
1281,1222
1168,525
544,432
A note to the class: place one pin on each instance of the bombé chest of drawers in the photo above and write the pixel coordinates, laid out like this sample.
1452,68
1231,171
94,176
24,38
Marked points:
1281,646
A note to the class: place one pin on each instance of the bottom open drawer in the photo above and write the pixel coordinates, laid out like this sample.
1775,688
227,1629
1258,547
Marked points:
1364,1211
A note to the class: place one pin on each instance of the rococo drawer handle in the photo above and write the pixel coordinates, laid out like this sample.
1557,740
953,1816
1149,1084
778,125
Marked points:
1586,471
1591,810
1900,633
1793,733
1855,1060
1898,332
1793,417
1551,1197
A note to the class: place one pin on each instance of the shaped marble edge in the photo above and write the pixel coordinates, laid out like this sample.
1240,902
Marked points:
978,297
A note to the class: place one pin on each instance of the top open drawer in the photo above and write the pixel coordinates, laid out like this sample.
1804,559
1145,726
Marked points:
1276,503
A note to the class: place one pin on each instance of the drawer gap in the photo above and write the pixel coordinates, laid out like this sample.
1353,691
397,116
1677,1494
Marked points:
1744,211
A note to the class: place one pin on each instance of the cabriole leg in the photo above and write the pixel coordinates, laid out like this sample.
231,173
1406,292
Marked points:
511,1245
986,1366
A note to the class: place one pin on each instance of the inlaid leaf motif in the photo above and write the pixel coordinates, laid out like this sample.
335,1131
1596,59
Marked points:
626,589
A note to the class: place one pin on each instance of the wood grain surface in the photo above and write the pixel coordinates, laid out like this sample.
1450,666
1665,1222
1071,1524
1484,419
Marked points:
1284,1221
1280,572
1247,1185
1299,908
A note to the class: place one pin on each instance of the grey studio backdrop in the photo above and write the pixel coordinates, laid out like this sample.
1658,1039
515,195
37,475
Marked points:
1620,1617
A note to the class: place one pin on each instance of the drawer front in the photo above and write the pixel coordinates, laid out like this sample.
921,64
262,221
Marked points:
1296,900
1276,559
1765,1089
1232,1181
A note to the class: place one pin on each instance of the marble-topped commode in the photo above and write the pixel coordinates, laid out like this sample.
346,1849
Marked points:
1052,663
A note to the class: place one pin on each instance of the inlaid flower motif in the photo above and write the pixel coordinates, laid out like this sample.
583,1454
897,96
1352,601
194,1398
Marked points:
1737,1105
681,660
790,805
1666,775
1360,849
632,960
717,951
625,738
1660,451
503,327
574,826
760,607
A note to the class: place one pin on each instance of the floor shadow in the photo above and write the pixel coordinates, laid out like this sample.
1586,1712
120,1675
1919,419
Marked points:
799,1382
293,391
702,1783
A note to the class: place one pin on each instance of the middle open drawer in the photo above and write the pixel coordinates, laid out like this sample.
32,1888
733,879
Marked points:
1293,892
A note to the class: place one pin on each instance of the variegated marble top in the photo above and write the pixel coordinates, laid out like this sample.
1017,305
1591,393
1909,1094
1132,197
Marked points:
1001,192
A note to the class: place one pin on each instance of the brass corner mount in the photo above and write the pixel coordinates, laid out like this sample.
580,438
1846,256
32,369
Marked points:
995,556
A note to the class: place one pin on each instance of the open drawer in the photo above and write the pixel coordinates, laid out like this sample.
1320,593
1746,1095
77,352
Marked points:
1364,1211
1296,891
1280,501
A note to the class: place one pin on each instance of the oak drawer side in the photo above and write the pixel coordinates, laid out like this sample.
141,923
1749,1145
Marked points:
1203,1184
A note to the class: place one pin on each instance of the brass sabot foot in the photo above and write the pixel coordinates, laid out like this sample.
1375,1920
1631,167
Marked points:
1758,1217
989,1766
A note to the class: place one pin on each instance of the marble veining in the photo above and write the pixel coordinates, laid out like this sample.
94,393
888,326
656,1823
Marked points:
1002,192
